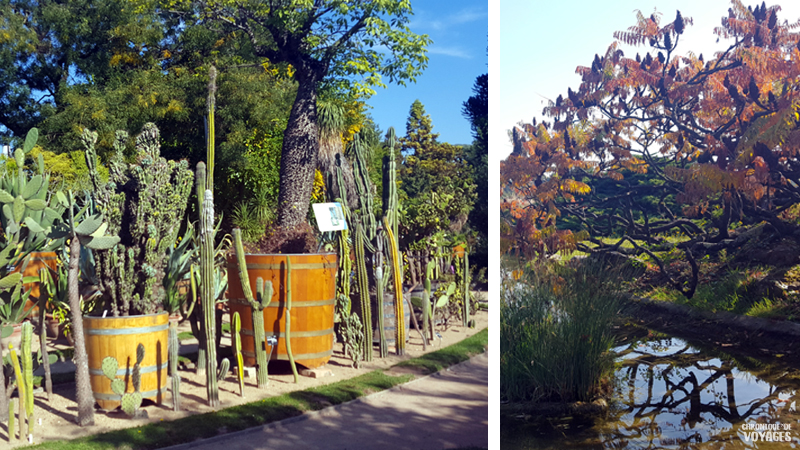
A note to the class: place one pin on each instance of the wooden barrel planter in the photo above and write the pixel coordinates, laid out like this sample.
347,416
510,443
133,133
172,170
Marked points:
313,301
38,260
119,337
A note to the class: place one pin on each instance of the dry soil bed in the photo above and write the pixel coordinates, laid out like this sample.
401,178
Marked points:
58,415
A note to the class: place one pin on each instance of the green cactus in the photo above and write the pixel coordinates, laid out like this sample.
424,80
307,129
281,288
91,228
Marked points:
363,290
264,292
207,295
11,434
173,346
224,367
27,211
21,385
466,287
400,344
236,330
142,204
27,373
380,284
129,401
288,337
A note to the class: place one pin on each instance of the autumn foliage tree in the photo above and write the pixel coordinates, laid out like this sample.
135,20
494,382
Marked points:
689,145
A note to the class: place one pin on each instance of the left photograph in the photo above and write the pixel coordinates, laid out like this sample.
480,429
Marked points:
254,223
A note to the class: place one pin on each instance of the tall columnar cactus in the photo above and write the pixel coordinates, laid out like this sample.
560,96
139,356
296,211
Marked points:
398,290
390,196
264,292
466,287
363,290
197,284
173,346
20,390
288,336
236,332
380,285
143,204
208,297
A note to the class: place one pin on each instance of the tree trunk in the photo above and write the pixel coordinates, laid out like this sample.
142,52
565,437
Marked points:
82,383
299,153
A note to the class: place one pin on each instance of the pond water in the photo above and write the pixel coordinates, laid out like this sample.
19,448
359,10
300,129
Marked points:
671,395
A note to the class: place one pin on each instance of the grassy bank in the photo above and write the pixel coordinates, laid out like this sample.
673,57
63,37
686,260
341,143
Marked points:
188,429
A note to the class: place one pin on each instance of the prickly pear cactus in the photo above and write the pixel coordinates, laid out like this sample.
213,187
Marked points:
131,403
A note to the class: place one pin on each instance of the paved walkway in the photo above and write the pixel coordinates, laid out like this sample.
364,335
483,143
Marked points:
446,410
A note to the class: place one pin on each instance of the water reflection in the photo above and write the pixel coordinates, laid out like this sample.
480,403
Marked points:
671,395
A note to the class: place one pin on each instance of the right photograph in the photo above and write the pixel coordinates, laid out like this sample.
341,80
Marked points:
649,224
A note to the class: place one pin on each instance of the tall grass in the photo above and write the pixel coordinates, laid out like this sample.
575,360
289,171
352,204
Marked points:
555,333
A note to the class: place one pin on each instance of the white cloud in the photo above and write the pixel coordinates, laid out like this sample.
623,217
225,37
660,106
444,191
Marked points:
456,52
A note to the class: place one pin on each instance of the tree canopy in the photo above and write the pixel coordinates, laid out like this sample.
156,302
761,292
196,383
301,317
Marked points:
438,191
718,136
351,44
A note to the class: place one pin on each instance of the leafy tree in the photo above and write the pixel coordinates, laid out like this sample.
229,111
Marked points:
718,136
476,110
332,42
437,188
46,45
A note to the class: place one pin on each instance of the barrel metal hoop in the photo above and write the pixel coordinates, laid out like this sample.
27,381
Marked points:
125,370
300,357
121,331
145,394
304,266
297,334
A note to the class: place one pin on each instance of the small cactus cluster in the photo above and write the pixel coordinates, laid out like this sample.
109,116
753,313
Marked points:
264,292
143,204
130,401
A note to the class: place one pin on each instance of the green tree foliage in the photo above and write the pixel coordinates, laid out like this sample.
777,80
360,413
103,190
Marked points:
476,110
349,44
437,187
45,46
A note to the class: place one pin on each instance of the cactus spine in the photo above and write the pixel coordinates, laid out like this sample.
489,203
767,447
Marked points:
237,349
264,292
288,337
174,345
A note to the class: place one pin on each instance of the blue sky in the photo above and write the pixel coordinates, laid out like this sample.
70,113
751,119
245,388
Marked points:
457,56
541,44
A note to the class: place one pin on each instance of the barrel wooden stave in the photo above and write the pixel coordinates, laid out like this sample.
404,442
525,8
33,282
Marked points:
123,348
313,298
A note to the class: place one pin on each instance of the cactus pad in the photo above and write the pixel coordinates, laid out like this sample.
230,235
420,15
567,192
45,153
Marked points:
131,403
118,386
110,366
